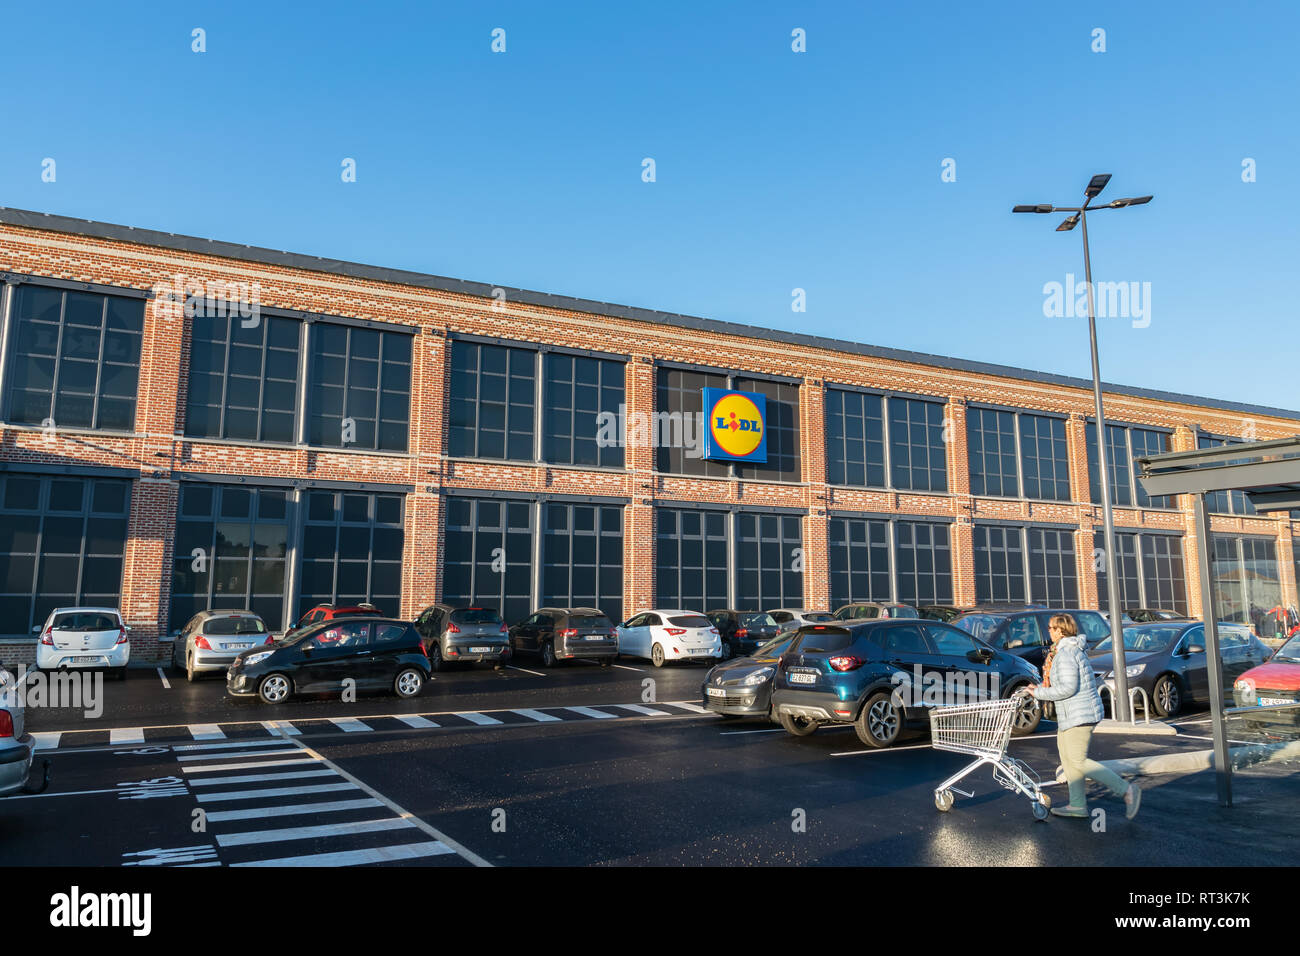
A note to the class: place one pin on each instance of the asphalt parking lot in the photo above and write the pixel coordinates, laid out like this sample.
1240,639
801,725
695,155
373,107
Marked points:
577,765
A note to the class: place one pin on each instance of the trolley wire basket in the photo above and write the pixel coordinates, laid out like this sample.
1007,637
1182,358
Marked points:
983,730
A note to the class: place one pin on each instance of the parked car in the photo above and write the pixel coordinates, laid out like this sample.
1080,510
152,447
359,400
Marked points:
1167,660
16,746
942,612
375,652
330,612
669,635
210,640
564,633
788,618
870,610
1276,681
865,675
464,635
1024,633
742,632
1146,615
742,687
83,637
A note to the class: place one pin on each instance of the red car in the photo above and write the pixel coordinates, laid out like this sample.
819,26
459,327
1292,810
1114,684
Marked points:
328,612
1277,681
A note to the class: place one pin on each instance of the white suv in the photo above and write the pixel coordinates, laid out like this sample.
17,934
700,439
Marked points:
77,637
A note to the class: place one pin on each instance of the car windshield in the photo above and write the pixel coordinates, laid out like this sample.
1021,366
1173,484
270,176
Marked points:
86,621
980,625
817,616
902,610
225,626
757,620
1290,651
475,615
1144,638
690,620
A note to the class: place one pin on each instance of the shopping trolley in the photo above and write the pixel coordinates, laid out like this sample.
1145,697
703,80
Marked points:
982,730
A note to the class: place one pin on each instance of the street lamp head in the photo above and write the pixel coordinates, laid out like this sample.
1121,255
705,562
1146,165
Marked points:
1096,184
1043,207
1068,223
1121,203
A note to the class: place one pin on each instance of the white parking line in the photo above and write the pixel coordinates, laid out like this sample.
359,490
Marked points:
624,667
273,792
383,854
213,768
416,721
126,735
477,718
738,733
206,732
312,833
590,712
260,777
527,671
349,725
163,677
648,711
257,813
535,715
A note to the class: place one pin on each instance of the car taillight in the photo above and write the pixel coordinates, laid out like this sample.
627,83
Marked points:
504,629
423,650
199,642
742,632
6,724
569,632
121,635
846,663
674,631
713,630
452,629
48,636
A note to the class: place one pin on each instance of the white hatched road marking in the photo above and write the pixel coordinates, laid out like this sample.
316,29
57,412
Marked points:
281,727
228,756
230,745
385,854
126,735
349,725
416,721
206,732
687,705
536,715
638,709
292,809
311,833
589,712
255,765
272,792
47,741
476,718
260,777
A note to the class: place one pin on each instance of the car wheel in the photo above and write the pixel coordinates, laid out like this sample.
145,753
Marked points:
408,683
1028,715
176,661
880,721
606,662
1167,696
657,656
190,673
435,657
726,652
799,726
548,655
274,689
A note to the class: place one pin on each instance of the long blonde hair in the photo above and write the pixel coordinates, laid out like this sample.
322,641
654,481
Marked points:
1066,624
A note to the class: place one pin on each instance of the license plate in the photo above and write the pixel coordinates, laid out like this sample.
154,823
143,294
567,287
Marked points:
238,647
715,692
480,650
593,637
1269,701
803,678
697,650
84,659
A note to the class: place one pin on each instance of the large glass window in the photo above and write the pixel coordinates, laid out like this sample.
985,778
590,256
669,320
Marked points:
231,552
859,558
582,557
1052,575
679,414
352,550
1117,462
243,381
360,388
691,559
855,439
1146,443
1151,571
75,358
488,558
991,440
769,561
1127,565
782,422
1246,581
575,392
918,457
1045,460
923,559
493,402
1225,502
61,545
999,565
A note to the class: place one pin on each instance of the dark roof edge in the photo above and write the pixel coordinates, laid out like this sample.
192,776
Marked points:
231,250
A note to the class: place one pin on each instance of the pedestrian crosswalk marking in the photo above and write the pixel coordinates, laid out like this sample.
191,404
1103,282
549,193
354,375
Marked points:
260,777
687,705
292,809
122,736
211,768
536,715
281,727
273,792
189,758
206,732
589,712
638,709
379,854
314,832
229,745
349,725
476,718
416,721
47,741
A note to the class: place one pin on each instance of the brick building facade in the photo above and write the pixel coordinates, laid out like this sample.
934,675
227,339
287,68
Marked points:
877,495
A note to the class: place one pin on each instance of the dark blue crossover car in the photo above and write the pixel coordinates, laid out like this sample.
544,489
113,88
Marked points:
882,676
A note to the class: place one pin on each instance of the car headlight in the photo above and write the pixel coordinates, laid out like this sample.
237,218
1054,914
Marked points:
1134,670
1245,692
758,676
259,656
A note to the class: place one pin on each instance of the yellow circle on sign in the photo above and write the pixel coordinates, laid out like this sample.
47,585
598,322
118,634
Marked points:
736,425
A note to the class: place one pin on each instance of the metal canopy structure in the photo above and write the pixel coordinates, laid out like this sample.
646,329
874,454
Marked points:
1268,473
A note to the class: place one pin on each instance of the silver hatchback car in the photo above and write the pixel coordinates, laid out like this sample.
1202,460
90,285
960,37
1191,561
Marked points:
16,746
210,640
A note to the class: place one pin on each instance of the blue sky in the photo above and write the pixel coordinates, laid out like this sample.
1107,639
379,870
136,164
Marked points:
775,170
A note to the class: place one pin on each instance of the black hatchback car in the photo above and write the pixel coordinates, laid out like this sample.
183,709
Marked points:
376,653
742,632
563,633
883,676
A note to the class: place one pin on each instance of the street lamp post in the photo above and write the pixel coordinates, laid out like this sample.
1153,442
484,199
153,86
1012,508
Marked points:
1079,215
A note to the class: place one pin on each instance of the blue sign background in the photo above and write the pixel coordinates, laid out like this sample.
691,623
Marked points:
715,452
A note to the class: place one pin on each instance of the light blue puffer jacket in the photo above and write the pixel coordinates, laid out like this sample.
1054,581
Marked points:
1074,685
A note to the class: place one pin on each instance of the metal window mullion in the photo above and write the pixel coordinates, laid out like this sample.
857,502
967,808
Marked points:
225,379
535,518
1015,448
294,512
261,384
99,364
733,558
7,293
891,543
887,438
539,397
254,501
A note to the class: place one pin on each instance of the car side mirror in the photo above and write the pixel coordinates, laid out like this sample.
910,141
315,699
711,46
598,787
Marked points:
1196,649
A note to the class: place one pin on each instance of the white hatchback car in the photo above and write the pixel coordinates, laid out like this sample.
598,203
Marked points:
77,637
669,636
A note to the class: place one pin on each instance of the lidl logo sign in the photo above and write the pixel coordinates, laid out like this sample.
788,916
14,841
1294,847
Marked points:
737,426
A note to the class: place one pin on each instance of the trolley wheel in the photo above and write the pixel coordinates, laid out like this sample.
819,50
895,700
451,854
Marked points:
943,800
1041,808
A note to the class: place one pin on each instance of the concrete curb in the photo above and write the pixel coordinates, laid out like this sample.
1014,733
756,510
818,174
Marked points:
1195,760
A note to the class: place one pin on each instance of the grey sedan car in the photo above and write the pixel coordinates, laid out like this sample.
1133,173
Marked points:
210,640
